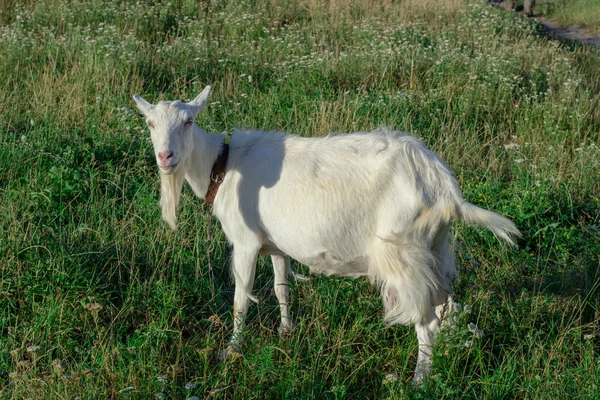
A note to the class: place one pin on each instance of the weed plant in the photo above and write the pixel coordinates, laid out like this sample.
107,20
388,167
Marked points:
99,299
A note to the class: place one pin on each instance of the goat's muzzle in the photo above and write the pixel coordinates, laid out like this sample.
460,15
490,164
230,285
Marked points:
168,169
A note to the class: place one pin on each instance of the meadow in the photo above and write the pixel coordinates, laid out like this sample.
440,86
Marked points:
100,299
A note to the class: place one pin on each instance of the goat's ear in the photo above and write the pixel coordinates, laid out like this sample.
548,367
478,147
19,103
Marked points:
142,105
200,102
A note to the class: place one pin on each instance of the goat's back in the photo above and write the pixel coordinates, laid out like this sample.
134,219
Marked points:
333,194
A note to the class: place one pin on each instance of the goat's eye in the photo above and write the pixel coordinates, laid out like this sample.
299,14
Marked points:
150,124
188,122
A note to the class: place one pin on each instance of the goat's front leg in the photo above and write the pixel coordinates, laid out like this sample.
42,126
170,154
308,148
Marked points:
281,267
243,269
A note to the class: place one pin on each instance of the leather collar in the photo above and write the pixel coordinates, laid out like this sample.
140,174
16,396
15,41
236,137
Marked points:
217,174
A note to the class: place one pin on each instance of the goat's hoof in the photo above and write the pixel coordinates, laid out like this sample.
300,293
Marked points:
390,378
286,329
230,354
418,381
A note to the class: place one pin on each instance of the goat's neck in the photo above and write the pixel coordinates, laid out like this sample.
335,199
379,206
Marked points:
199,165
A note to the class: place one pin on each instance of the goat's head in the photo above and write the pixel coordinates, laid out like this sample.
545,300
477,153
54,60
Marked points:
171,127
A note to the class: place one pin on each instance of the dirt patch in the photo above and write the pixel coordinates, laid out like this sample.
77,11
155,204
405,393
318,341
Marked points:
572,33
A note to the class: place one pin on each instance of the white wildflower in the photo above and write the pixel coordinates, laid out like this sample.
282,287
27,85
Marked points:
469,343
58,365
190,385
512,146
32,349
478,332
162,379
452,323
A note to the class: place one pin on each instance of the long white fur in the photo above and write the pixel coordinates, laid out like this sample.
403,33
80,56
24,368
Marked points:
376,204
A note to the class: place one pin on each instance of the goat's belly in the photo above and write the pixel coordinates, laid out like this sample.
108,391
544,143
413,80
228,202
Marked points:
330,265
324,263
270,249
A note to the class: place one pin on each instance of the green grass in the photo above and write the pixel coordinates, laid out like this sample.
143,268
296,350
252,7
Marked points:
583,13
114,299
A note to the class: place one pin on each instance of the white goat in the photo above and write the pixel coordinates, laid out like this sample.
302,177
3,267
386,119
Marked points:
376,204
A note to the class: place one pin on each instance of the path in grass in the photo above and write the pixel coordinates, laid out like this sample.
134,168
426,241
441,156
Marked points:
573,33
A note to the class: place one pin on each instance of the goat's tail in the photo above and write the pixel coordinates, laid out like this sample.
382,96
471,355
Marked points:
502,227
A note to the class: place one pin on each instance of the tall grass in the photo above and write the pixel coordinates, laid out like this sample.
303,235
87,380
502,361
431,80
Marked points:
97,295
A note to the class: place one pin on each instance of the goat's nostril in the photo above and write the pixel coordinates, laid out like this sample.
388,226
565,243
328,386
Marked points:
165,155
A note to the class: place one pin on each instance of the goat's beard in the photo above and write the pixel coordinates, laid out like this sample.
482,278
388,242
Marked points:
170,193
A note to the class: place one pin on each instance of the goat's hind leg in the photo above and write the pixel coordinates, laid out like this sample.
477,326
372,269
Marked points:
410,285
444,310
426,330
429,324
281,268
447,266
